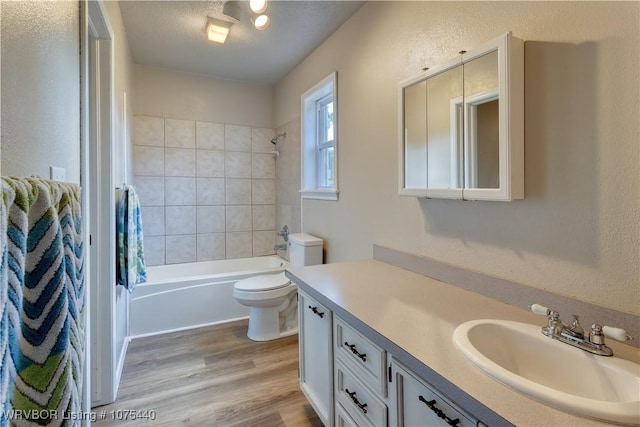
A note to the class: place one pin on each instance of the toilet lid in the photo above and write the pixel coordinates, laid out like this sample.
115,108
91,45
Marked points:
266,282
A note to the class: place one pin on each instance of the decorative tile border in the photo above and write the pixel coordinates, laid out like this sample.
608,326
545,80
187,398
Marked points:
510,292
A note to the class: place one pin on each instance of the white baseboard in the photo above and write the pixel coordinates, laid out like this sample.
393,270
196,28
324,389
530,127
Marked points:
186,328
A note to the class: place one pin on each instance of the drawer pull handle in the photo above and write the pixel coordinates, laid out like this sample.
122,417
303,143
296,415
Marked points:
352,395
432,405
315,310
362,356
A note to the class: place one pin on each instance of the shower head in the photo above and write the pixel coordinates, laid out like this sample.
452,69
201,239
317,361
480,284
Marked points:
275,140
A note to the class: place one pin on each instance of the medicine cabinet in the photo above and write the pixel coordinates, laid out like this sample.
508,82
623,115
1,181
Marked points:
461,126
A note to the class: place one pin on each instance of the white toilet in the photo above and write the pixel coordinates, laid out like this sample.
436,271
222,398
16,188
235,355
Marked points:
272,297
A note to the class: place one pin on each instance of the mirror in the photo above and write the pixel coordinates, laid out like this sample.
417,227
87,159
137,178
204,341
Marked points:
461,133
481,106
444,154
415,136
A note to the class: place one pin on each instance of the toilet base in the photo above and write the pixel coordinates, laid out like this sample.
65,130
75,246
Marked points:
260,336
270,323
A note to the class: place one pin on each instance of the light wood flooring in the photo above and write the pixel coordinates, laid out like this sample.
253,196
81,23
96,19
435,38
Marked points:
213,376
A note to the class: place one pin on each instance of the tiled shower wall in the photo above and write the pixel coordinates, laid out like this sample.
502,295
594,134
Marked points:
288,210
207,190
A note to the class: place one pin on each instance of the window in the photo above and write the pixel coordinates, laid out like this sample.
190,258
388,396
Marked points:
319,141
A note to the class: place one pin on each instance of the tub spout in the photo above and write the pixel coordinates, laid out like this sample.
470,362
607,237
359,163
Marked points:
282,247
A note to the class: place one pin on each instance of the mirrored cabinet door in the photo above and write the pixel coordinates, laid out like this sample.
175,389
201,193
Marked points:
481,122
461,126
429,151
444,148
414,138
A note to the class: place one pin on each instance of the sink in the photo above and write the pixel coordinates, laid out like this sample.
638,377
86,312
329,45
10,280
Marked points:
565,377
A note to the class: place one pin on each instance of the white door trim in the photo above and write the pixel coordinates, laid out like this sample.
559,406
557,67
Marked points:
98,182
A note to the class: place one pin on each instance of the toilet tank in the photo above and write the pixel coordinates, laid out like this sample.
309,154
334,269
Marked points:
304,249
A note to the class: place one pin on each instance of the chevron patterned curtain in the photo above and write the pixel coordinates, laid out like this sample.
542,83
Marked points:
42,302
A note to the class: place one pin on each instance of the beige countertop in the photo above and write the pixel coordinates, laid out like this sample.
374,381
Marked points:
419,315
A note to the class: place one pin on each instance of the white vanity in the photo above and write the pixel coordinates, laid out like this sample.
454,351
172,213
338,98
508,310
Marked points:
376,349
352,381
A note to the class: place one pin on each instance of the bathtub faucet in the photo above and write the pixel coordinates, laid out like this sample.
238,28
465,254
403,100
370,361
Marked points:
284,233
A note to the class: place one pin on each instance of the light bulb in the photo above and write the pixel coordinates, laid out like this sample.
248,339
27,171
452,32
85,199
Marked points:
262,22
258,6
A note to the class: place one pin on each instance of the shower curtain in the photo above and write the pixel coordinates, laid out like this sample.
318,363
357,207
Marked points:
42,302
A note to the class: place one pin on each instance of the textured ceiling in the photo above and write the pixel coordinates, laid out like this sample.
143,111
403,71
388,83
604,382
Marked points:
170,34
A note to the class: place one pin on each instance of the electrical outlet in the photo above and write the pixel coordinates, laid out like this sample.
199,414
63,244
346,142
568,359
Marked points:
57,174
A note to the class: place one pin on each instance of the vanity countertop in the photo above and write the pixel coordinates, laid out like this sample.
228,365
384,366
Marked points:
414,317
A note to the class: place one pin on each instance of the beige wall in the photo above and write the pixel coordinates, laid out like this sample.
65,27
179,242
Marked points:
577,231
167,93
40,88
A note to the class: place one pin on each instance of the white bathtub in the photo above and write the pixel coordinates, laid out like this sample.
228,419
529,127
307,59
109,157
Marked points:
191,295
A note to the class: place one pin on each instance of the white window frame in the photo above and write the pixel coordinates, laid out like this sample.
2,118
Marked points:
311,171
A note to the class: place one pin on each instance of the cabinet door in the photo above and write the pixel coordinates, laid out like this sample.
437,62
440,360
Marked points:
415,404
430,148
494,120
316,356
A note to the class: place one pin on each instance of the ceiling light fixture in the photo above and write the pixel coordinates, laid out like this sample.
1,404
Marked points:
258,6
217,30
262,22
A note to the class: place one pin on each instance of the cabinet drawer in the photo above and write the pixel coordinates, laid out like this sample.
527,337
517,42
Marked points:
365,358
357,399
418,405
343,419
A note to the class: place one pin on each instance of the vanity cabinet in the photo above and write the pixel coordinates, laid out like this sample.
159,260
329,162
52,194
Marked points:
415,403
316,355
461,126
352,382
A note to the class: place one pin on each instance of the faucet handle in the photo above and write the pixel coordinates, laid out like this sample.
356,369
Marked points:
616,333
555,325
284,233
576,328
540,309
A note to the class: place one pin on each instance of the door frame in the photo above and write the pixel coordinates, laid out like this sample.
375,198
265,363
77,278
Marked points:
97,175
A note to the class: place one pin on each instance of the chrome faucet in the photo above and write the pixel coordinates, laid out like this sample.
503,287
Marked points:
284,233
574,334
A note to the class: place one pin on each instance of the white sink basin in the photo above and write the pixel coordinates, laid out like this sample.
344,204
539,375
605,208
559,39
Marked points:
570,379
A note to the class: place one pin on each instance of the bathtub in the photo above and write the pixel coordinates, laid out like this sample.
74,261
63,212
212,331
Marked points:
184,296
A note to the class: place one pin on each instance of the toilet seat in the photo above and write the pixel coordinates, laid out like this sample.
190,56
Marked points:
268,282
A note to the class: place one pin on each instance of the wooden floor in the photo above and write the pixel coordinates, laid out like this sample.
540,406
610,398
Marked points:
212,376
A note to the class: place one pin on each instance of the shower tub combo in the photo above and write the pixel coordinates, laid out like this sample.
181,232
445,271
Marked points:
185,296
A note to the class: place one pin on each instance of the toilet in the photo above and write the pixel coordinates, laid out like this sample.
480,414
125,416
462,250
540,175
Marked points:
271,298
